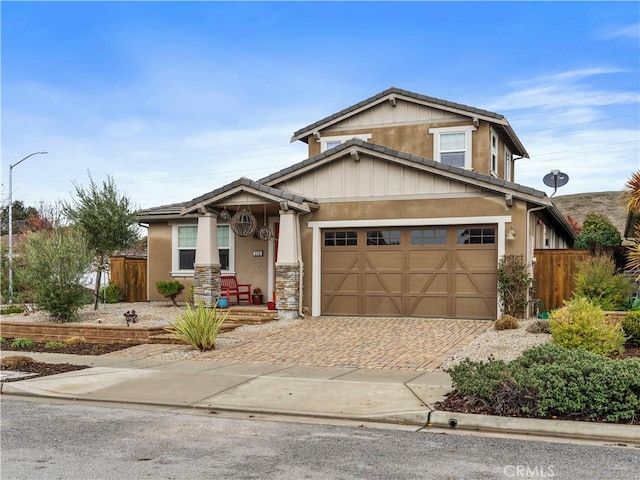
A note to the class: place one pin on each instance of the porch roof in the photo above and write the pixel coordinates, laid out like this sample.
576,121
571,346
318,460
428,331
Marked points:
270,194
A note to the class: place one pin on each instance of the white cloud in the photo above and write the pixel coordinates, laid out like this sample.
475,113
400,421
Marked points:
628,31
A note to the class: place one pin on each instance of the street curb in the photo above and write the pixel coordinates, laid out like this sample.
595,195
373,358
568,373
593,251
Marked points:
619,433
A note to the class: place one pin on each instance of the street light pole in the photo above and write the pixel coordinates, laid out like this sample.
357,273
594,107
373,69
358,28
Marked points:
11,221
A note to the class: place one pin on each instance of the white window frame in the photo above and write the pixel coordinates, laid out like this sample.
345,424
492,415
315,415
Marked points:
341,139
494,141
467,130
507,164
175,258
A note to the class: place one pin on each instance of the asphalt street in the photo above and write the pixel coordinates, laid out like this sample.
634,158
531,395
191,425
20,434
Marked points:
46,440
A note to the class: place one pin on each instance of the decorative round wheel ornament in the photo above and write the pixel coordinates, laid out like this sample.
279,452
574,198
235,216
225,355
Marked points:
243,223
264,233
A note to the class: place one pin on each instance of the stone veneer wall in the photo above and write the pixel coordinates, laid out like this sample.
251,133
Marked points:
206,284
287,289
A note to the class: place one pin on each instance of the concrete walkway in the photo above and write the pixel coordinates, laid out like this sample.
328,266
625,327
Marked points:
372,395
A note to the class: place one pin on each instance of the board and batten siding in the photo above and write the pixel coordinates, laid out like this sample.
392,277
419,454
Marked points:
368,177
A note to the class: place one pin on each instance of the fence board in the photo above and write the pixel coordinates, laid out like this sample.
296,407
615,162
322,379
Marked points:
130,274
554,275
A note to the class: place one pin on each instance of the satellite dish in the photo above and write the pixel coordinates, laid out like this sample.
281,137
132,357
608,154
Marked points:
555,179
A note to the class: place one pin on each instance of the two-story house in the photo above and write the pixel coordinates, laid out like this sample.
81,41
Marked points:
403,208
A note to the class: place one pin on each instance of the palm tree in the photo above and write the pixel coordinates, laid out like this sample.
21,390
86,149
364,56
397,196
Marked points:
631,197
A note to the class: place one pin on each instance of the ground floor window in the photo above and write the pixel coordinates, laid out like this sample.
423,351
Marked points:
185,238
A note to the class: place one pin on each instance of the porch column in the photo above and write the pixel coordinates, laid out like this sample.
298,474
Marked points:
206,268
288,267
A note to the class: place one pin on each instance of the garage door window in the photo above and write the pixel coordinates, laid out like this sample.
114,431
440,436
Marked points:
383,237
429,236
476,236
340,239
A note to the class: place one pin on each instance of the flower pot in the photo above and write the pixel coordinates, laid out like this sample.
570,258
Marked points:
223,302
256,299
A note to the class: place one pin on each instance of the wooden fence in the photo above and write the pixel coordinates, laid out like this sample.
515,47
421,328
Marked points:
554,275
130,274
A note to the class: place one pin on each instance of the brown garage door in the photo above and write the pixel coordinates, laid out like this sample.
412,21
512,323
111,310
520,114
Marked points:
446,272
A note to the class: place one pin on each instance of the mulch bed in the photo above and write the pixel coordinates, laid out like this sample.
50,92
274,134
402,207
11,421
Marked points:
26,364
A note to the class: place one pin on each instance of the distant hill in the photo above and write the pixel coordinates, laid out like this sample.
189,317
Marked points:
609,204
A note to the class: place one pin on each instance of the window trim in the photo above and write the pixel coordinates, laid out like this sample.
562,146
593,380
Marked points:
467,130
341,138
175,259
507,164
493,159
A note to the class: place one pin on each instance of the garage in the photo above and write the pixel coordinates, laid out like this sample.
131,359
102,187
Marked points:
434,271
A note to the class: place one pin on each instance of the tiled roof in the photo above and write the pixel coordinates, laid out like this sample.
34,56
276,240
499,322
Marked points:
405,93
490,181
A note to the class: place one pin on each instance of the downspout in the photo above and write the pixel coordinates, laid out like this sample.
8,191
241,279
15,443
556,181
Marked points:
146,225
300,263
530,251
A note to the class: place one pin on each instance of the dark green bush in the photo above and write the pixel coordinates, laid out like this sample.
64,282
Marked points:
631,327
597,231
553,381
112,293
170,289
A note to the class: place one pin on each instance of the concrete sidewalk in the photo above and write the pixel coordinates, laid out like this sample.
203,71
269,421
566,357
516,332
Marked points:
393,396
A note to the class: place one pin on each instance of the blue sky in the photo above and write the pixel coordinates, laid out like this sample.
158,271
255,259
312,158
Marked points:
174,99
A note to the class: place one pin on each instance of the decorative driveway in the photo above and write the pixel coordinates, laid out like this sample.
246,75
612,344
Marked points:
354,342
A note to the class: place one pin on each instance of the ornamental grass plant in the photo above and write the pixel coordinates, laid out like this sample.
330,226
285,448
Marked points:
198,327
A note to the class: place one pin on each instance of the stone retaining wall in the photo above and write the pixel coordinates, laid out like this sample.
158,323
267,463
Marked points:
91,333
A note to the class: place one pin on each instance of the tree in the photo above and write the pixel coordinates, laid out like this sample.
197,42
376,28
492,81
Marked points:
19,215
598,231
631,195
107,220
51,269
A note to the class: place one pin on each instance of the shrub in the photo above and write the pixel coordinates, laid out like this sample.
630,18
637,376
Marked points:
53,345
3,341
53,265
513,283
76,341
581,324
597,231
170,289
506,322
112,293
22,342
198,327
539,326
596,279
631,327
11,309
553,381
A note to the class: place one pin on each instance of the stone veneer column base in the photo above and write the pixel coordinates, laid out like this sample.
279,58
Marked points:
288,290
206,284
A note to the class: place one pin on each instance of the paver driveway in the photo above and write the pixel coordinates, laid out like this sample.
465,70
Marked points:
356,342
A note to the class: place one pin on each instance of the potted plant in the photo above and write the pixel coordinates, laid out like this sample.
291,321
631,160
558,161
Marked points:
256,297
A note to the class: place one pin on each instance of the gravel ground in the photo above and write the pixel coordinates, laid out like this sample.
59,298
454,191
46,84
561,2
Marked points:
505,344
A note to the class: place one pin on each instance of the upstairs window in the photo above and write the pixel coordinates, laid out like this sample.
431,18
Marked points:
507,165
327,143
494,153
452,146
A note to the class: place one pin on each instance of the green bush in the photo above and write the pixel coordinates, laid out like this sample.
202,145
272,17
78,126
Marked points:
581,324
53,345
3,341
112,293
506,322
198,327
11,309
553,381
597,231
170,289
22,342
597,280
631,327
